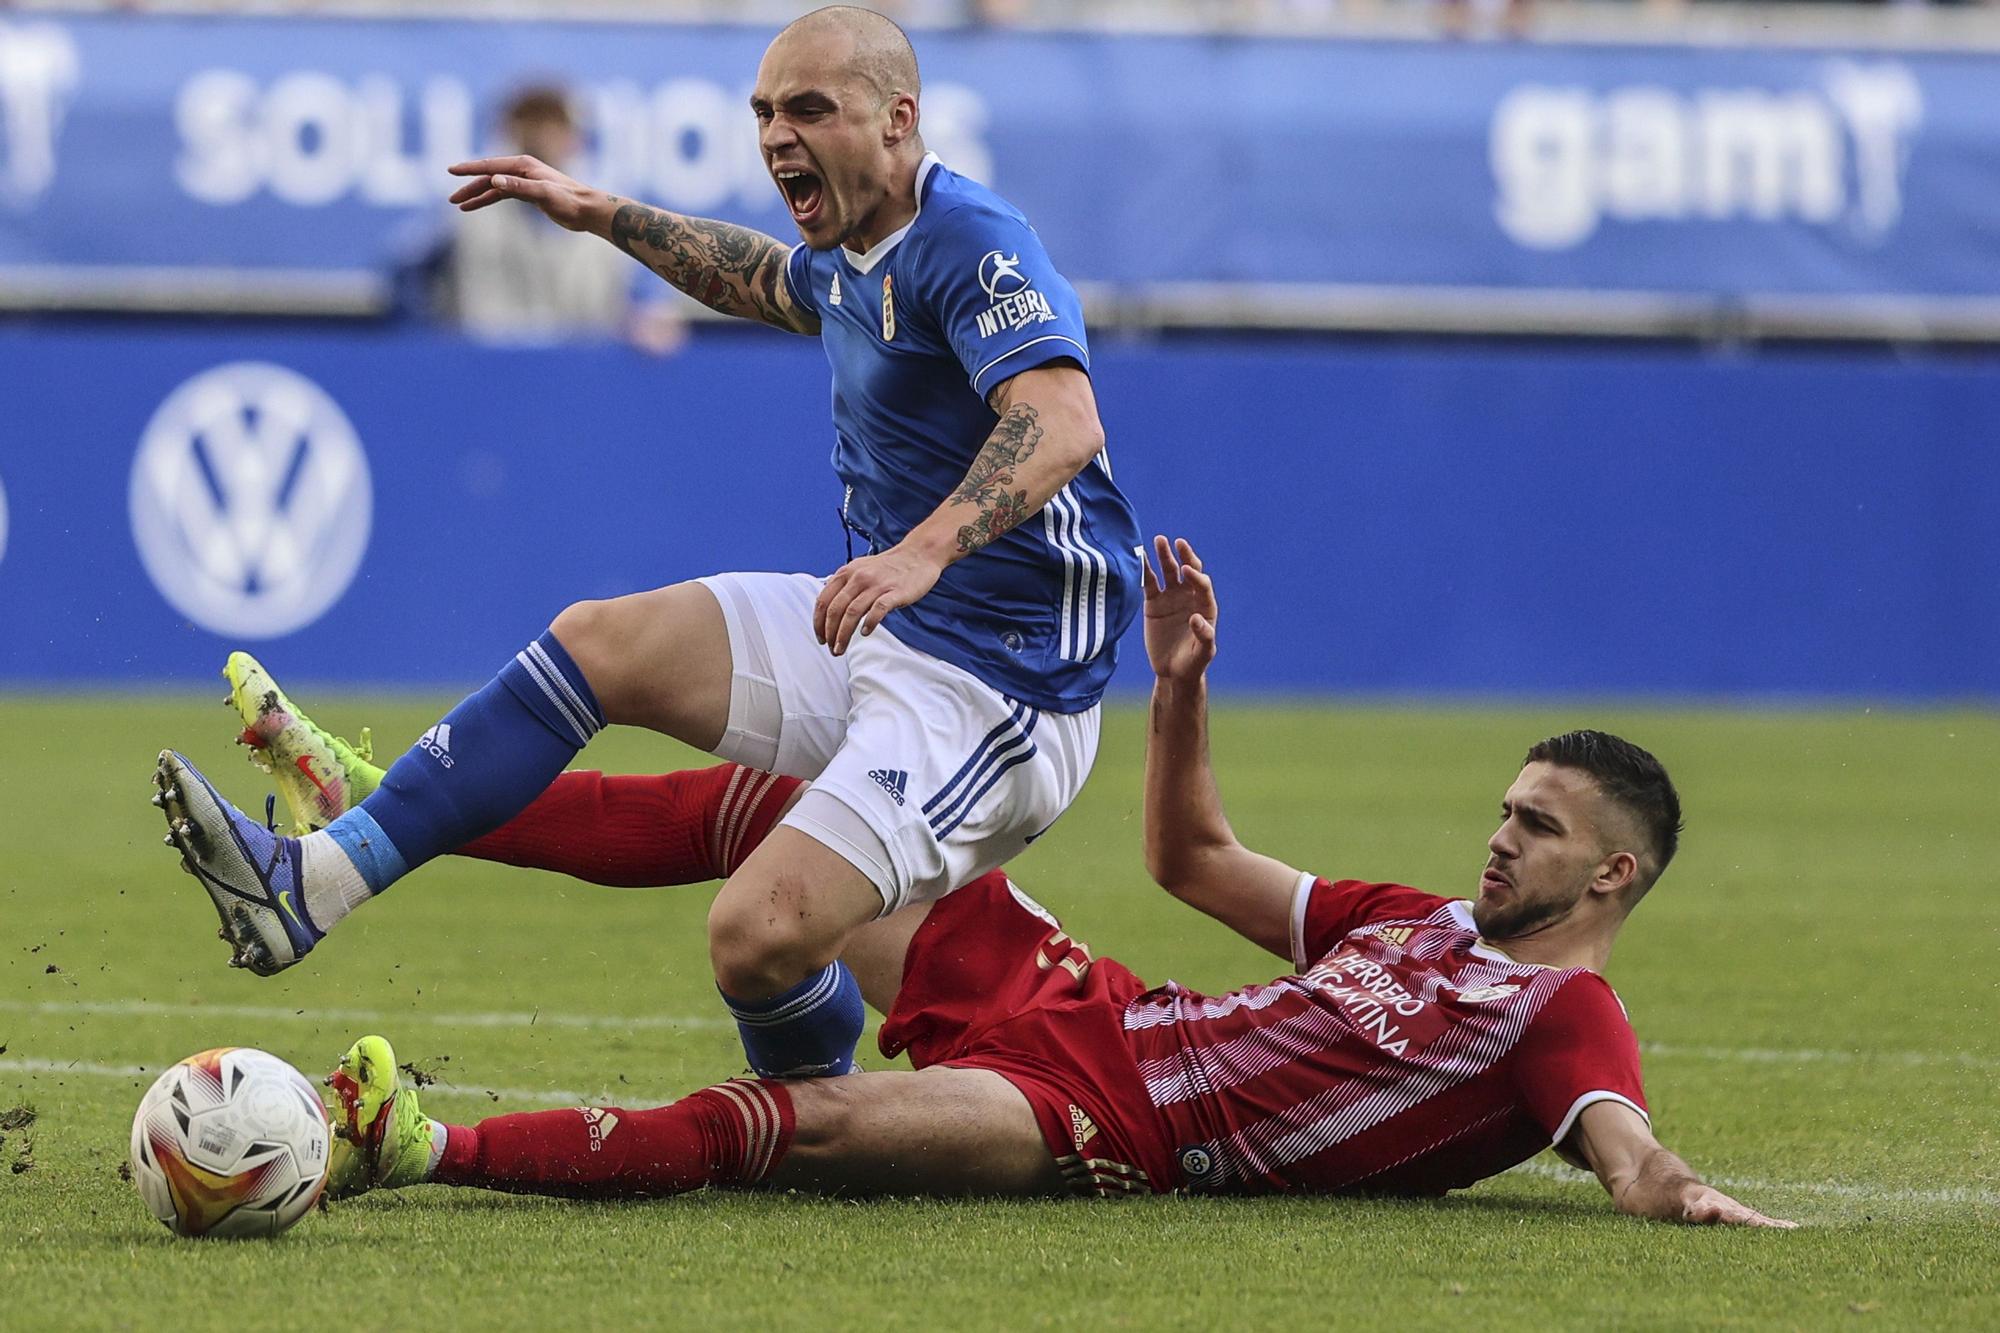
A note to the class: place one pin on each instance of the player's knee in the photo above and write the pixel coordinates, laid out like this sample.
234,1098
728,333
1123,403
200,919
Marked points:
600,637
759,953
588,633
824,1115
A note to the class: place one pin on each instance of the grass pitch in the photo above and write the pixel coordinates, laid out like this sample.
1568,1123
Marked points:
1816,981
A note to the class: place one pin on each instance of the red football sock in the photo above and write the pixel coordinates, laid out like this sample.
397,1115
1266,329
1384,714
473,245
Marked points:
639,832
733,1134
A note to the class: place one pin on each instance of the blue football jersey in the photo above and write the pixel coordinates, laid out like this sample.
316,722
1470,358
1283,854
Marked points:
918,331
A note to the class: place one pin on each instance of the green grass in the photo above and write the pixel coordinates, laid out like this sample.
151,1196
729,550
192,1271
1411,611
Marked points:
1817,981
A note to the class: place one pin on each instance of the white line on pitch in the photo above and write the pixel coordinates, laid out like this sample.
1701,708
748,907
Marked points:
533,1096
1779,1056
719,1023
1833,1188
271,1013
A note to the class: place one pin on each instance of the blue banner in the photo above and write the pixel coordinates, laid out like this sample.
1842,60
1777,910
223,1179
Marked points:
409,509
318,144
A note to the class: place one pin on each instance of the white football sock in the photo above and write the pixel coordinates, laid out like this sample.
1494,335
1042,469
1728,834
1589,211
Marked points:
332,885
437,1148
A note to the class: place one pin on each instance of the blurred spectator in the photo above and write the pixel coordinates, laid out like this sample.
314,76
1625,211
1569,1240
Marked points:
1467,18
996,13
514,276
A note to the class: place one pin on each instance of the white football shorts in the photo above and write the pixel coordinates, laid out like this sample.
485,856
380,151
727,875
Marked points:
923,776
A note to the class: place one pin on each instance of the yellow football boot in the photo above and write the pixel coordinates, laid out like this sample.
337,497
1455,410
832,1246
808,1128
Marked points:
320,775
381,1139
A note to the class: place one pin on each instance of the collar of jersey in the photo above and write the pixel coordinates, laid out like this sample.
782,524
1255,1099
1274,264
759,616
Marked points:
1482,949
880,250
1461,915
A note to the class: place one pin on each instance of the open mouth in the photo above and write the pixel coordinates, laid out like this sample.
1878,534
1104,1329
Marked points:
804,192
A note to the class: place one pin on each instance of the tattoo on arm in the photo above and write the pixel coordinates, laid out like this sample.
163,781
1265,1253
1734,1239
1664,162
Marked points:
728,268
990,483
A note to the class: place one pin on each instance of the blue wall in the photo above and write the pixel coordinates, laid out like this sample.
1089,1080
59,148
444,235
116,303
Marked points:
281,142
1403,518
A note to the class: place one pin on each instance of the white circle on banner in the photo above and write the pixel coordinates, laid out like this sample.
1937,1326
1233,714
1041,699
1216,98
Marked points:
251,500
3,521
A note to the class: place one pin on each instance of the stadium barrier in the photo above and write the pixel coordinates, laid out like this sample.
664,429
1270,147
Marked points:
292,163
403,508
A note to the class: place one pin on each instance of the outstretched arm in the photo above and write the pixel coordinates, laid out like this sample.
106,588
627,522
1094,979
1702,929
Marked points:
1047,433
1191,851
736,270
1645,1180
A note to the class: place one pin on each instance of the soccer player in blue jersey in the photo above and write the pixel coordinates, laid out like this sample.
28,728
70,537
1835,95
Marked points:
940,692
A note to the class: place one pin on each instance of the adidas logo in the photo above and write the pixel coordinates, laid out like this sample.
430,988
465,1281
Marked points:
437,743
1081,1127
600,1124
834,297
891,780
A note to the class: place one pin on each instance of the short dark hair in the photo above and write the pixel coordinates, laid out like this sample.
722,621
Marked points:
543,102
1628,775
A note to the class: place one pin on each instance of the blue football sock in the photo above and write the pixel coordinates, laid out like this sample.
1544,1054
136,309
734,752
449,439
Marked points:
478,768
809,1030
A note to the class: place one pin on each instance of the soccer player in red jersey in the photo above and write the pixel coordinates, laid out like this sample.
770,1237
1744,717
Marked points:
1423,1043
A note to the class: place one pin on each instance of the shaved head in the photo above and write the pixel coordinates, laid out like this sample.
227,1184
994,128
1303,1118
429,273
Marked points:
836,105
874,48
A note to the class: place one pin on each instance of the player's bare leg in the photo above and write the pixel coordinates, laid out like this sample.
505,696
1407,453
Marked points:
776,931
658,660
931,1131
878,952
787,912
662,660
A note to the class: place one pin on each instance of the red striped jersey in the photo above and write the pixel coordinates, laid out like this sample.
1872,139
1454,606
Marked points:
1405,1057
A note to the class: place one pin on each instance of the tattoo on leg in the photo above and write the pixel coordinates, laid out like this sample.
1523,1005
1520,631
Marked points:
989,485
735,270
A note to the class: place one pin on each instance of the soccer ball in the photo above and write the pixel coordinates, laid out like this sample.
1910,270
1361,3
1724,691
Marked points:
230,1142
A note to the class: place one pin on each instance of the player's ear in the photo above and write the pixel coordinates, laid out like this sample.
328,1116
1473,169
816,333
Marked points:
903,119
1616,873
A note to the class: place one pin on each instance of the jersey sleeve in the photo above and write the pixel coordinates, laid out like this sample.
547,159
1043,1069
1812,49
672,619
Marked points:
998,299
1579,1049
798,277
1323,911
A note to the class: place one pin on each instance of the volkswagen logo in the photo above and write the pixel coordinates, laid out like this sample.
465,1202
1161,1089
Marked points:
251,500
3,522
